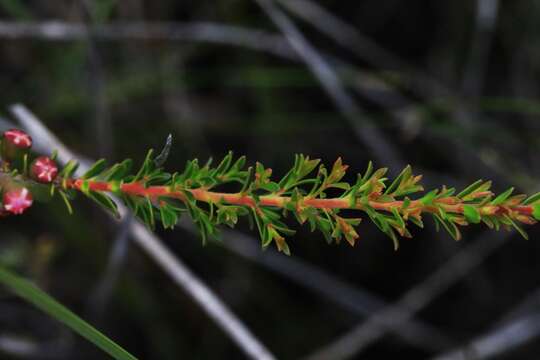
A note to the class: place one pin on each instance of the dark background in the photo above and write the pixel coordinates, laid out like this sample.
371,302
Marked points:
450,87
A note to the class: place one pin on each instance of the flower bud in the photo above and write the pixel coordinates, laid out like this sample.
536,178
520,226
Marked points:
18,138
44,169
16,201
14,142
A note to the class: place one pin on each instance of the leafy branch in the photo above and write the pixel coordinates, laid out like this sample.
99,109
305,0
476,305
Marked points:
309,191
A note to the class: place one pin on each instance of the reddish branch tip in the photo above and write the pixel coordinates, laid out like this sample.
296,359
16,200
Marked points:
44,169
17,201
18,138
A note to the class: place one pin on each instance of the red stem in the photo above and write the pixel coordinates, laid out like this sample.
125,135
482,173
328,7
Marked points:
449,204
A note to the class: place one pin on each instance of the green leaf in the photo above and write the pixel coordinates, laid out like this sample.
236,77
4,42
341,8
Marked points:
368,172
287,180
403,176
149,212
394,238
246,184
517,227
428,198
447,192
536,211
406,203
96,169
85,187
104,201
224,164
398,217
118,171
417,222
450,227
307,166
147,166
32,294
66,201
469,189
502,197
169,218
271,187
325,226
238,165
471,214
532,199
69,169
340,185
411,190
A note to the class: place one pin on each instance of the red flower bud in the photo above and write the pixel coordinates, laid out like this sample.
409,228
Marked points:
14,144
16,201
18,138
44,169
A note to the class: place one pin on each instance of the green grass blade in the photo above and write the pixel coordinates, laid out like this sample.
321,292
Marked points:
47,304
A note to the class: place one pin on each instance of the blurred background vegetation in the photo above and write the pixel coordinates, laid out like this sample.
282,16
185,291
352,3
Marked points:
449,87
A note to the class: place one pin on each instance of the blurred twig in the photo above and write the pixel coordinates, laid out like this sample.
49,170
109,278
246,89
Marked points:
194,31
467,115
250,38
498,341
519,326
413,300
353,40
97,81
117,257
152,245
353,299
24,348
529,304
379,146
481,42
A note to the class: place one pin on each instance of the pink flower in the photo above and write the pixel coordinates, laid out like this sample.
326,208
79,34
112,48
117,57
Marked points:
18,138
16,201
44,169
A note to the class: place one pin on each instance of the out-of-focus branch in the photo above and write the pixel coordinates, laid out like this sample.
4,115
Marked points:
356,300
353,40
44,141
517,327
194,31
24,348
499,341
97,81
364,130
117,257
414,300
421,83
481,42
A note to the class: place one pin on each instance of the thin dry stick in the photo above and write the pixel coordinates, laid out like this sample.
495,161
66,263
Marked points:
152,245
352,39
117,258
350,298
481,42
517,327
528,304
414,300
499,341
369,134
97,81
424,85
160,31
206,32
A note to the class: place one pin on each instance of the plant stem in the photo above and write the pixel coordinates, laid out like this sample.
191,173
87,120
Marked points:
416,207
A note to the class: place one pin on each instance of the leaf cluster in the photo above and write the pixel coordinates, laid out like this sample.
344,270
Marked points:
267,202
